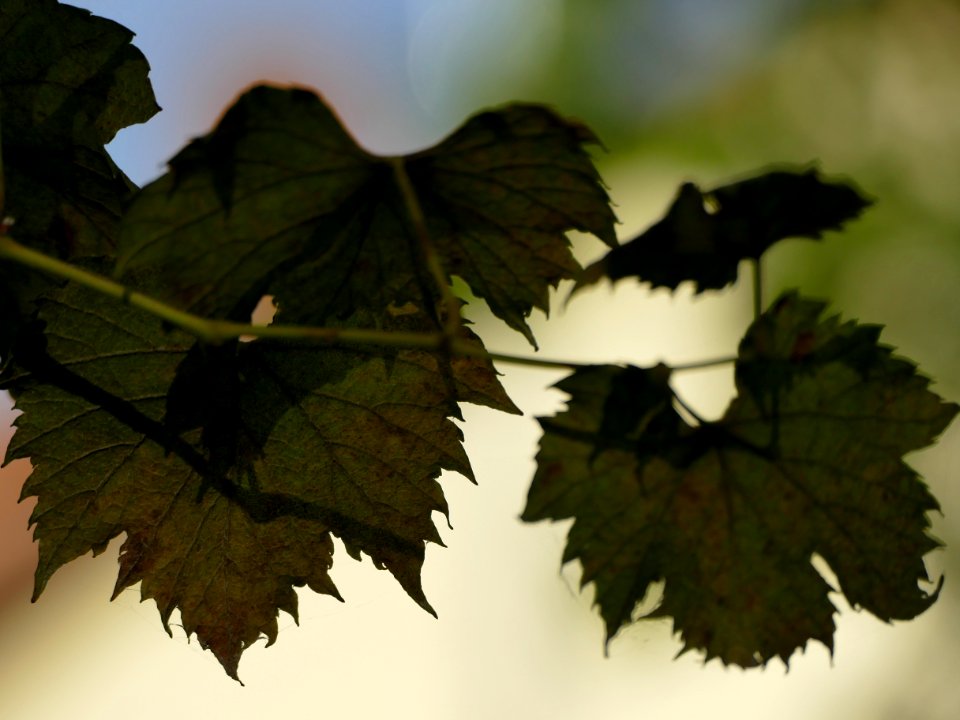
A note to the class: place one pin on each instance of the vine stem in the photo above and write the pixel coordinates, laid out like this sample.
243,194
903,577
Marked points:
704,364
218,331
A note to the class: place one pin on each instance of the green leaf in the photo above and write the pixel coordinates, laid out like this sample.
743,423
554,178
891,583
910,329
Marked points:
226,512
806,460
706,234
229,468
68,82
306,215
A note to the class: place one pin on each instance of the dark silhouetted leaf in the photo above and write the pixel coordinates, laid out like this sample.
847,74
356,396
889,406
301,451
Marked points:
68,82
279,187
705,235
230,467
222,522
808,459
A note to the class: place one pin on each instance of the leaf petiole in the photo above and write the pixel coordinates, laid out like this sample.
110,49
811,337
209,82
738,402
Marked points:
451,323
686,408
704,364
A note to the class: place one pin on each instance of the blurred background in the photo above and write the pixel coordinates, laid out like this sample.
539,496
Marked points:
678,90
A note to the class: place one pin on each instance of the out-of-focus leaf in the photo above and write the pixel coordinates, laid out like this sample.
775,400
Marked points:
808,459
705,235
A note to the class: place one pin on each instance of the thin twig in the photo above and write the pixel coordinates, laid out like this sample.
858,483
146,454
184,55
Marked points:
703,364
218,331
211,331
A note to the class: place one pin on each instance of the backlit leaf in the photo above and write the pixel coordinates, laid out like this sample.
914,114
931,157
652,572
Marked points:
68,82
279,187
223,520
808,459
706,234
230,466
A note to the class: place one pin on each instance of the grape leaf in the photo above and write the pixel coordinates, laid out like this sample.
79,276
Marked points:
229,468
279,187
706,234
70,81
807,459
325,441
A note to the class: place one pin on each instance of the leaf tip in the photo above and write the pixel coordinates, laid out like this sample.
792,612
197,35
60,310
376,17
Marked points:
590,275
